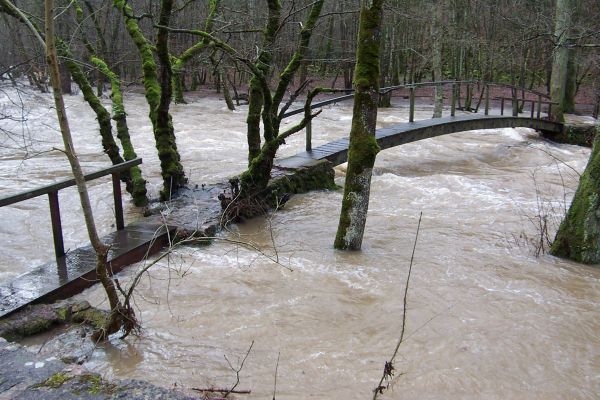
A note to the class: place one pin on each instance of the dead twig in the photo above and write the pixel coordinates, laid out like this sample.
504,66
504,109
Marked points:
275,383
237,370
388,368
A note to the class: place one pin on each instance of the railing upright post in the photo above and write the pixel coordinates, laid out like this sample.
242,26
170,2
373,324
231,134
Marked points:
502,106
487,99
453,106
59,246
411,115
539,110
515,104
116,181
532,108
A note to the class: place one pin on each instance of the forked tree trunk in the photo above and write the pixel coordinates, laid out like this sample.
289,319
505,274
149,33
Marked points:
158,93
363,146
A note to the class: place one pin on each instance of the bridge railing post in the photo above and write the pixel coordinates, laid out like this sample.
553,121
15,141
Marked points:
487,99
502,106
453,104
309,136
532,108
539,106
59,246
411,115
116,181
515,104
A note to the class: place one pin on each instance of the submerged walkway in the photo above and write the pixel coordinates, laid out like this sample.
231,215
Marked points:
75,271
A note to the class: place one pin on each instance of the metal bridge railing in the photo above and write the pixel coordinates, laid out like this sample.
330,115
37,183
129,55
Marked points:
52,192
518,99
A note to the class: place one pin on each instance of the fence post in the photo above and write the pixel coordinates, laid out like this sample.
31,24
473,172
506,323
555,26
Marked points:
411,115
515,103
502,106
539,110
309,136
59,247
116,181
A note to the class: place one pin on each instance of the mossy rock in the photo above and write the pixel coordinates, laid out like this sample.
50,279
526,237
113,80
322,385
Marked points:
577,134
40,318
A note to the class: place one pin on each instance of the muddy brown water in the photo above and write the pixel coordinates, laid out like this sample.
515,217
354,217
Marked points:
486,318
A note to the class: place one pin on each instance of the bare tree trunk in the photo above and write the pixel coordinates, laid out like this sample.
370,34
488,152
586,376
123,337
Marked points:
226,92
363,146
560,64
437,32
113,323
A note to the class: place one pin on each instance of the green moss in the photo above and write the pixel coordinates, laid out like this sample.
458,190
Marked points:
578,237
94,384
56,380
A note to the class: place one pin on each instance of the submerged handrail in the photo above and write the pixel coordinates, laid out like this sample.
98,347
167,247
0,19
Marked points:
52,192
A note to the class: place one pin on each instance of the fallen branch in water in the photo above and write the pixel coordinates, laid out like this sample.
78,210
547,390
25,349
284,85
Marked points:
388,369
209,390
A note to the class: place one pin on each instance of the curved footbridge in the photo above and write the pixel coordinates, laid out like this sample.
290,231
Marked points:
337,150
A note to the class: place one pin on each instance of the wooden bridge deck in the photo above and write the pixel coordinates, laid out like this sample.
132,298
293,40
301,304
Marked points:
76,270
337,150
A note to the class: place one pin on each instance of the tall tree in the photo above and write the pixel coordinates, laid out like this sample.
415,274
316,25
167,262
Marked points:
119,315
560,63
436,33
363,146
158,91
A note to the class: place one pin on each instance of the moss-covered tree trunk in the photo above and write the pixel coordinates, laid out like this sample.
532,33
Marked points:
180,62
363,146
171,168
136,184
257,176
255,89
226,92
578,237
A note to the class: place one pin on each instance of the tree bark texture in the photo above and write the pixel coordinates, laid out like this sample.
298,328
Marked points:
363,146
560,62
180,62
100,248
437,38
255,91
171,168
136,184
578,237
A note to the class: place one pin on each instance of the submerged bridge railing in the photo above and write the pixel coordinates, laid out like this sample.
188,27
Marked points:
477,93
52,192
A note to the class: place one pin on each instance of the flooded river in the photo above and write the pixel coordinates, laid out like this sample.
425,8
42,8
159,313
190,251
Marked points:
486,318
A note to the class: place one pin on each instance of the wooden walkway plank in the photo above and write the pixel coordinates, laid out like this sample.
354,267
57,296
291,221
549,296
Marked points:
70,274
